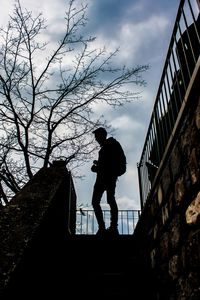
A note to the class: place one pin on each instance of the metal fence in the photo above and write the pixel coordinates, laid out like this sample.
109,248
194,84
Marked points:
86,221
182,57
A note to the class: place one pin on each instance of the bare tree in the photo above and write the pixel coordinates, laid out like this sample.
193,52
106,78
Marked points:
47,94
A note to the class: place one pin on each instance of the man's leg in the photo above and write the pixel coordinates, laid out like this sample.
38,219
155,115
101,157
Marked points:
112,202
96,199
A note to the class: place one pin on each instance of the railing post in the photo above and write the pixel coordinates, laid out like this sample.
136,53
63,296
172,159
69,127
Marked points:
87,225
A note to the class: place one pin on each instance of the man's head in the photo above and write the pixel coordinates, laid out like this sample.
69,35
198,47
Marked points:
100,135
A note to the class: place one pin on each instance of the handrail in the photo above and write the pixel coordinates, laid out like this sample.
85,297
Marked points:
182,57
86,221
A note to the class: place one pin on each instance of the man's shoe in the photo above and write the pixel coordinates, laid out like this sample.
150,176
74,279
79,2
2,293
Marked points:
101,232
112,231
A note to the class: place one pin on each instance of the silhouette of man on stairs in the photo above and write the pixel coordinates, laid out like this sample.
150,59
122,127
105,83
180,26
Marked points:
108,167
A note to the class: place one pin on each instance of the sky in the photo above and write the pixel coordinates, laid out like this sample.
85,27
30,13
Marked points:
142,30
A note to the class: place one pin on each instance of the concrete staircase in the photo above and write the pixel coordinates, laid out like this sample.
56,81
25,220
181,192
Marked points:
81,266
110,268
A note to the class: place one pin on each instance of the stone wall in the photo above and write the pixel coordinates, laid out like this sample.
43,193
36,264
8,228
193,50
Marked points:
33,226
168,232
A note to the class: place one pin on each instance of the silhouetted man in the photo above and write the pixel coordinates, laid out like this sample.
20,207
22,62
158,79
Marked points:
107,171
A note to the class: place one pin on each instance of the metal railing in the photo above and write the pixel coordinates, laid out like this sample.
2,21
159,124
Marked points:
86,221
182,57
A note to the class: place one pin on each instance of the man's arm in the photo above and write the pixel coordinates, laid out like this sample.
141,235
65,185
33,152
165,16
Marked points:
94,167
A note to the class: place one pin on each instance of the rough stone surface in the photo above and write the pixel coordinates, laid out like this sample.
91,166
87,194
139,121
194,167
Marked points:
20,219
193,211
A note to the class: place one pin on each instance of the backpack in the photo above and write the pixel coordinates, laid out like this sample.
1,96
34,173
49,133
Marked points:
112,158
120,161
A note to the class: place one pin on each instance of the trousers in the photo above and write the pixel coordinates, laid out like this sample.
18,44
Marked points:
105,184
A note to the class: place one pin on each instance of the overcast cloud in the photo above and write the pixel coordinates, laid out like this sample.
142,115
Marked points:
142,30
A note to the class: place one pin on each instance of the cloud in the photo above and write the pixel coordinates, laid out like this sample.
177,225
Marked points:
125,122
125,203
135,37
142,29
